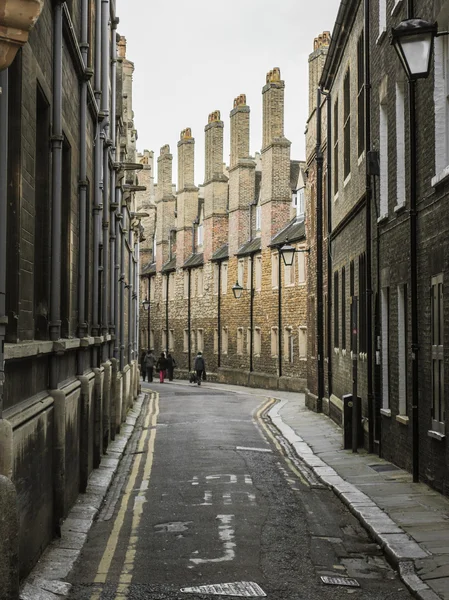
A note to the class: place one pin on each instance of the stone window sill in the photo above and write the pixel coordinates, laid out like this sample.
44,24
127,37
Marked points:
399,208
403,419
397,7
382,218
436,435
381,36
360,159
441,177
336,197
386,412
347,180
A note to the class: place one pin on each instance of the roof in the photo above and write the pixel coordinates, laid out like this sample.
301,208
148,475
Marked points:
169,266
258,183
221,253
295,167
194,260
149,269
249,247
294,232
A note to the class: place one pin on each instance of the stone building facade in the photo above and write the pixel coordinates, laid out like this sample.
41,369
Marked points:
386,253
204,239
70,295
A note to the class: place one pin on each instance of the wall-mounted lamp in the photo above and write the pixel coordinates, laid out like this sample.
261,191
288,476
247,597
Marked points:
288,253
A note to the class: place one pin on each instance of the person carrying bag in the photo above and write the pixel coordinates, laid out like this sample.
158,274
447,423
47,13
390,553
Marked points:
161,366
200,367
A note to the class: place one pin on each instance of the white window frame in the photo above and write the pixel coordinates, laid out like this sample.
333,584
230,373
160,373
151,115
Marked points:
200,340
288,345
215,341
301,267
200,283
275,270
151,338
400,144
241,272
164,340
152,288
274,339
441,102
200,235
257,341
164,287
186,283
258,273
289,275
301,203
385,337
216,272
248,340
186,341
382,19
171,339
437,350
258,217
302,342
224,278
224,340
240,340
383,158
402,349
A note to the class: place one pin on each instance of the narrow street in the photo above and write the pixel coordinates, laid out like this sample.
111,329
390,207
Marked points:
207,494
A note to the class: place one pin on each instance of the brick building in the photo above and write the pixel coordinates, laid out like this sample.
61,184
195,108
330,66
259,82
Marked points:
204,239
380,246
69,276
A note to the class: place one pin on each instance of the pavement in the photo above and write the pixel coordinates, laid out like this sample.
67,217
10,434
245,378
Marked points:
409,521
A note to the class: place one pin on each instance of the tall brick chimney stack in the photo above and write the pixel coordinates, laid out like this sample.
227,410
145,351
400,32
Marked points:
166,205
215,188
241,176
187,203
275,190
316,64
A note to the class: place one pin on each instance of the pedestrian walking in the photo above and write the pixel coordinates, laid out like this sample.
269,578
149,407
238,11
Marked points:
142,363
149,365
200,367
171,364
161,366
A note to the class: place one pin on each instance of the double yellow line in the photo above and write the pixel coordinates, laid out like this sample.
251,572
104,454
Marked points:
145,450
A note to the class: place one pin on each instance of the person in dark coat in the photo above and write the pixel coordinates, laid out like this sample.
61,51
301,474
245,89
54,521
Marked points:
171,364
142,363
148,363
161,366
200,367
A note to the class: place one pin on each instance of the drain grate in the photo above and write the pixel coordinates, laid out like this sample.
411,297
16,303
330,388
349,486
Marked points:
383,468
246,589
347,581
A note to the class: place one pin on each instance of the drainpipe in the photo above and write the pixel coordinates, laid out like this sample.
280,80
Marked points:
189,318
219,315
122,281
97,189
319,252
82,184
279,312
414,269
130,291
117,277
251,313
166,311
149,314
56,148
135,299
329,243
3,216
114,205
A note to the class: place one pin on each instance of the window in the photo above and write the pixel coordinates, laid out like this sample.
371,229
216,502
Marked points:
151,338
192,342
257,341
347,124
200,235
385,317
302,342
200,340
382,17
224,278
248,272
66,238
258,217
240,340
241,272
274,341
289,274
224,340
343,308
402,348
441,99
288,344
336,155
186,283
258,273
164,287
400,143
383,159
42,235
336,315
313,320
360,93
215,341
362,303
216,277
164,339
248,340
437,325
186,341
200,282
274,270
301,267
326,327
301,204
171,339
152,284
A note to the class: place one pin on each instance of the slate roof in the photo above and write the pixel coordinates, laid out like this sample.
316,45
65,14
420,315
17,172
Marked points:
221,253
149,269
194,260
294,232
249,247
169,266
295,167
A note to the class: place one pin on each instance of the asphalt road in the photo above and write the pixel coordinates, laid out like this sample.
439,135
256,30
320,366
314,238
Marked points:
208,494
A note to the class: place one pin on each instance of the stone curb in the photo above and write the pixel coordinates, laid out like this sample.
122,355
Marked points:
400,550
45,581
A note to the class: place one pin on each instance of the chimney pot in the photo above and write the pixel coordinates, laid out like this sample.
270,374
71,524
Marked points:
214,116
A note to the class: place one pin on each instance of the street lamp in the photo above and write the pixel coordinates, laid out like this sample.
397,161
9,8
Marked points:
146,304
288,253
413,41
237,290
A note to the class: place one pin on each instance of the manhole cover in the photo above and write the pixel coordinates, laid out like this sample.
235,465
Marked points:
382,468
340,581
247,589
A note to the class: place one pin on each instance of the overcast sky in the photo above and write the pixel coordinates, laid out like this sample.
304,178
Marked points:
195,56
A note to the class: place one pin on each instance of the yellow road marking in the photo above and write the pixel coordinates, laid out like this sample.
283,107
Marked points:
111,546
290,465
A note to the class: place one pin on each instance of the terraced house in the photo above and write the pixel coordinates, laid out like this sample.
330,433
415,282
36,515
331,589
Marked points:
68,256
207,244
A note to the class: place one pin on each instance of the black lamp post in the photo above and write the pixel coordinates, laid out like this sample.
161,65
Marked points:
146,307
413,40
